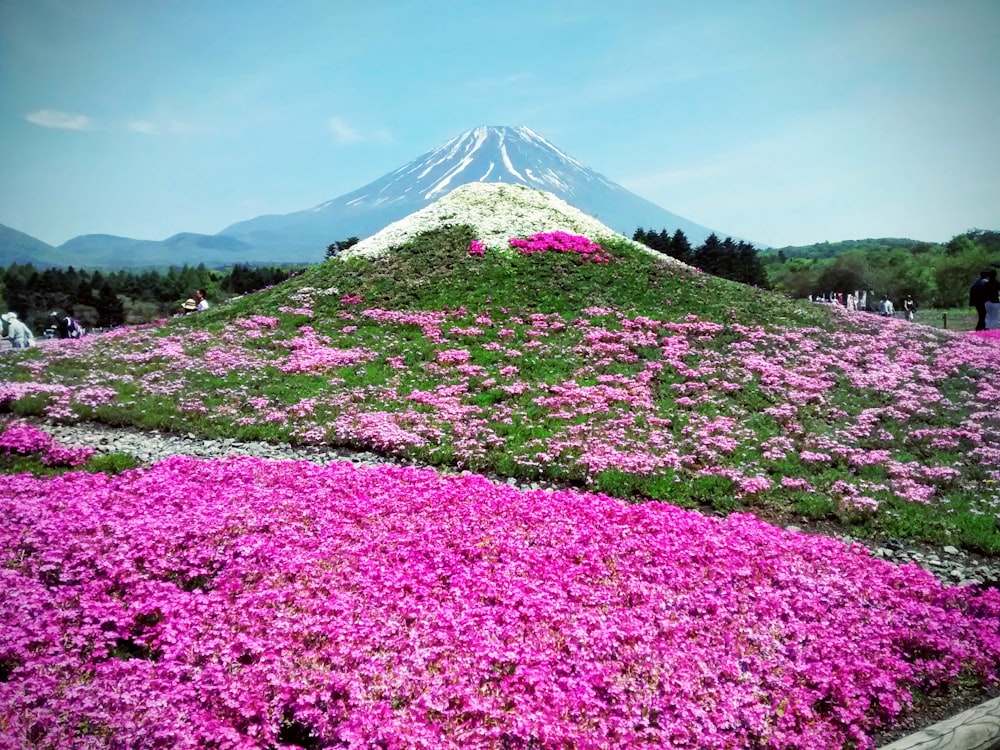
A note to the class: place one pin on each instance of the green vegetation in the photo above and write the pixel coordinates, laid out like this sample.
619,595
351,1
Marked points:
119,297
107,463
704,392
728,259
937,276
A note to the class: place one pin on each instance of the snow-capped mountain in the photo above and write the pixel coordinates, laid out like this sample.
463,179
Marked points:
515,155
511,155
486,154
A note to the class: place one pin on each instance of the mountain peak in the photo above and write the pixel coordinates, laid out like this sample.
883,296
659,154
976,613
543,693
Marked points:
506,154
488,153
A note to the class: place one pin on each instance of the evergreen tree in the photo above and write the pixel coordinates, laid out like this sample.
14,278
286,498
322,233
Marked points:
681,248
751,266
335,249
708,255
662,242
729,261
16,292
332,251
84,293
110,309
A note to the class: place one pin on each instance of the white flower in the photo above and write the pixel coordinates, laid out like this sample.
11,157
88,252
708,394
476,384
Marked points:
497,211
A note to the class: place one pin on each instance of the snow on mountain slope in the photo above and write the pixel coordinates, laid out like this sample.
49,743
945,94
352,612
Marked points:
488,154
484,154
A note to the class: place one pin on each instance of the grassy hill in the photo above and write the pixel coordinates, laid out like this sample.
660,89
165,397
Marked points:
612,370
641,377
18,247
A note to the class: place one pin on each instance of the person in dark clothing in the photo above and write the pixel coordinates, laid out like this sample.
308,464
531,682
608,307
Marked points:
991,295
68,326
977,298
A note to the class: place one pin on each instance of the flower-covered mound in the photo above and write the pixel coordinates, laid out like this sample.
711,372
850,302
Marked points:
253,604
497,211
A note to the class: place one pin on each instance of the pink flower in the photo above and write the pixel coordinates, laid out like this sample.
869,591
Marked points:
561,242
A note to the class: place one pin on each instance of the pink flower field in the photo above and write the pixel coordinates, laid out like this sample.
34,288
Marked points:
244,603
252,604
862,415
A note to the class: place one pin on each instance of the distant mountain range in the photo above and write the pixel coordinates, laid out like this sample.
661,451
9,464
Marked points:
18,247
514,155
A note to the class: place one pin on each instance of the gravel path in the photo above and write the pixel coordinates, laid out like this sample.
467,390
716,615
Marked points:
949,564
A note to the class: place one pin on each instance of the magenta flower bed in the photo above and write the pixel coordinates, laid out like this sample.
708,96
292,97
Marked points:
561,242
20,439
250,604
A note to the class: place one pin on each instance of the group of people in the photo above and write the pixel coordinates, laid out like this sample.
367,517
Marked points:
15,331
866,301
909,308
984,296
20,336
198,303
65,326
68,327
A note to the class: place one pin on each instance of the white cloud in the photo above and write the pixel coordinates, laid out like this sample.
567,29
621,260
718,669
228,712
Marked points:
144,126
52,118
150,127
345,133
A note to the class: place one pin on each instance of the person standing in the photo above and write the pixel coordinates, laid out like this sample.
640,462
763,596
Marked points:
991,301
19,334
69,326
909,307
977,299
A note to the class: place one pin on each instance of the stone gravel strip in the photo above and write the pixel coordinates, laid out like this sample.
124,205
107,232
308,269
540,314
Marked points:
949,564
975,729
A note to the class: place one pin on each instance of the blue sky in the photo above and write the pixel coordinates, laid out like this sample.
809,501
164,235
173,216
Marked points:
784,122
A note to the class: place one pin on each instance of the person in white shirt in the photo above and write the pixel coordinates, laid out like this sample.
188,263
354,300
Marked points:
199,298
19,334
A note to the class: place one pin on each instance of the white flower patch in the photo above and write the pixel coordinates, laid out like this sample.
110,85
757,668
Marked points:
498,212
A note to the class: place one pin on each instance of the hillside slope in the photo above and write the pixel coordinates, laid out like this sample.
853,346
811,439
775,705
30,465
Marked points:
566,363
18,247
697,390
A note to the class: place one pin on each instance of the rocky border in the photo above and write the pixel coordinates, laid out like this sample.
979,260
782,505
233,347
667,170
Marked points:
975,729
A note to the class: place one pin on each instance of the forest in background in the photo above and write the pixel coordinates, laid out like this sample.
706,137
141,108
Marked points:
730,259
109,299
935,275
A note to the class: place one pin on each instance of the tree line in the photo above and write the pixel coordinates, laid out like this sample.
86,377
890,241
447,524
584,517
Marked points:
114,298
935,275
736,261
